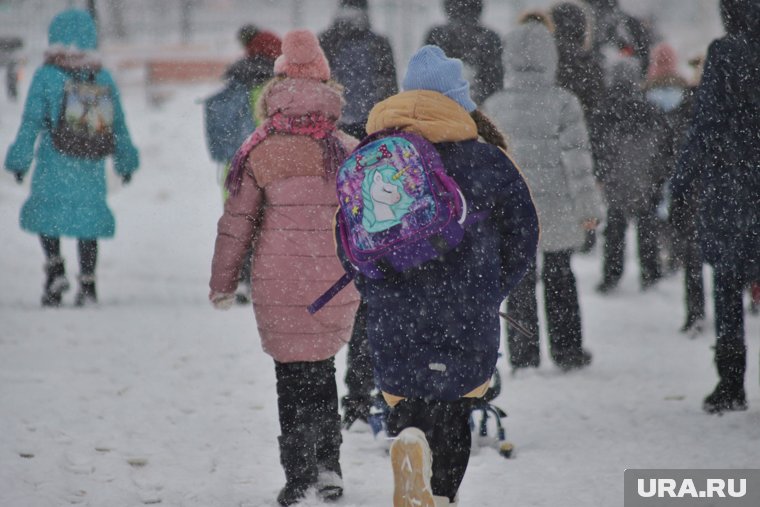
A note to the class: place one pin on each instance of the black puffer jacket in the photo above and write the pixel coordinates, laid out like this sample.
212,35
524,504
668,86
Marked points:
722,151
577,70
361,61
479,48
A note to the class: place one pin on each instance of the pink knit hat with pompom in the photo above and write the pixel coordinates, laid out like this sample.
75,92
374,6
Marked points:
302,57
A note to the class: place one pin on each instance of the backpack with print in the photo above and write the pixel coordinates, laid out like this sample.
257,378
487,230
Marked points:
398,207
84,127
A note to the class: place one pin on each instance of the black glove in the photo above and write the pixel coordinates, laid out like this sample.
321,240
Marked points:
126,178
19,178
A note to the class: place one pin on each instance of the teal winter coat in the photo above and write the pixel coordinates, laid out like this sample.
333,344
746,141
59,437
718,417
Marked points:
68,194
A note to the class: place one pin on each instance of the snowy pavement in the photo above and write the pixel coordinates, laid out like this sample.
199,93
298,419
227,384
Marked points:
153,397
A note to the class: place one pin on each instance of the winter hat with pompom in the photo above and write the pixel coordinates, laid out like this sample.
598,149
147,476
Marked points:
265,44
302,57
430,69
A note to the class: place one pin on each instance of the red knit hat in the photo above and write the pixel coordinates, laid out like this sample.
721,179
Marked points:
663,62
264,44
302,57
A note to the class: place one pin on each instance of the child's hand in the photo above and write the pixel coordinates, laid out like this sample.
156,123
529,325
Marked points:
222,300
19,178
126,178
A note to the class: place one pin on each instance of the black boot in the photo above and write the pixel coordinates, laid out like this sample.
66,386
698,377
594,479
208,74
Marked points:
329,438
572,360
729,395
355,408
55,283
86,295
693,325
298,459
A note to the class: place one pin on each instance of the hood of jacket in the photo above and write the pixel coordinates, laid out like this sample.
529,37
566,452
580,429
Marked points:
73,28
430,114
351,19
463,11
295,97
530,56
569,24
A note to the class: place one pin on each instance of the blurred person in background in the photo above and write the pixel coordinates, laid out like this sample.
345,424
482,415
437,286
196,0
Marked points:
362,62
74,110
630,130
673,97
579,72
616,34
548,138
479,48
721,156
229,114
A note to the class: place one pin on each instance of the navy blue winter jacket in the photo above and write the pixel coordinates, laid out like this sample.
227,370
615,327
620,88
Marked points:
434,331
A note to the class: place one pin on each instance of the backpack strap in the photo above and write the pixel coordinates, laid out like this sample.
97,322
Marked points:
330,293
348,277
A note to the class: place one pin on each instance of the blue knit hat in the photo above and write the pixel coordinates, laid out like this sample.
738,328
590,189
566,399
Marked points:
430,69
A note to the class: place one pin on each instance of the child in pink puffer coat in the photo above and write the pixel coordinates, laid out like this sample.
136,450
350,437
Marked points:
282,201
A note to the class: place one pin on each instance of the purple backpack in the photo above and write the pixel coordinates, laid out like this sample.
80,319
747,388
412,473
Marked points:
398,207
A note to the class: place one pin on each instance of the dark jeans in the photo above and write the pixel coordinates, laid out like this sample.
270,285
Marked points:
86,248
563,314
614,244
446,425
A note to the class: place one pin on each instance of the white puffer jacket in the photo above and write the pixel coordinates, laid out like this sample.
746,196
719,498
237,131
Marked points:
547,136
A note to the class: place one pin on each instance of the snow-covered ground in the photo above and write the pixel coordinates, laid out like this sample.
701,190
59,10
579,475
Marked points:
153,396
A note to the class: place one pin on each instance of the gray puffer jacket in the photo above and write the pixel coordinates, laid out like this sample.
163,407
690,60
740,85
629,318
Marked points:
547,137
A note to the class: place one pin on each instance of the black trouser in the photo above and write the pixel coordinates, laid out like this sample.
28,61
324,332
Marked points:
86,248
563,313
694,282
563,316
359,377
614,244
307,402
730,348
683,216
689,255
522,306
446,425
